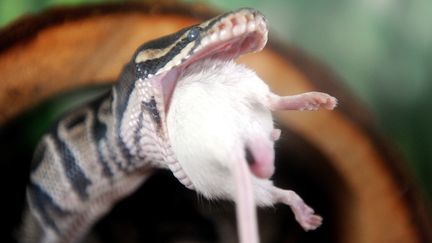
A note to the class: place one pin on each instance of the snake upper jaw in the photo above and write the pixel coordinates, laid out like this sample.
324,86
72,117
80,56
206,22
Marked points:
224,37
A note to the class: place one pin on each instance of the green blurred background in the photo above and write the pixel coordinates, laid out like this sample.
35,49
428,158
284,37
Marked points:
382,49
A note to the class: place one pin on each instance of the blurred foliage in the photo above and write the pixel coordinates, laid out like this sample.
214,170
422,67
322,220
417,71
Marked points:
381,48
43,115
12,9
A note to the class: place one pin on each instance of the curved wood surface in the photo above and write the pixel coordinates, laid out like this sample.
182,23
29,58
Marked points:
64,49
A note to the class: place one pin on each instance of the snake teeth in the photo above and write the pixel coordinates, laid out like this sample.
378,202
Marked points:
223,34
236,26
251,26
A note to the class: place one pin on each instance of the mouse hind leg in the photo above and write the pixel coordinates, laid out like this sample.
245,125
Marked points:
304,214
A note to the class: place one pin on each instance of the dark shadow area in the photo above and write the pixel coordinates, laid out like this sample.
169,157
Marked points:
303,168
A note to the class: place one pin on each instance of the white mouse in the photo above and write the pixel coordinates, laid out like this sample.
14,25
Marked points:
221,131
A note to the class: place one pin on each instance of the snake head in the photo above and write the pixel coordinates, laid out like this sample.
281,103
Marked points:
158,64
147,82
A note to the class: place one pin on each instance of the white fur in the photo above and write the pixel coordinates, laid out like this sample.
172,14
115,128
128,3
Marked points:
217,108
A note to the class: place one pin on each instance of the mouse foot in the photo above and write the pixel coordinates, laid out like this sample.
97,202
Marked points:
306,101
304,214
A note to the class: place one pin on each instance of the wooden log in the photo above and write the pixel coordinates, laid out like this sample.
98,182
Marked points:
337,160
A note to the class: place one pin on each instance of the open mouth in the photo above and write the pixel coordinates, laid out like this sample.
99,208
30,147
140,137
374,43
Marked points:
235,34
224,37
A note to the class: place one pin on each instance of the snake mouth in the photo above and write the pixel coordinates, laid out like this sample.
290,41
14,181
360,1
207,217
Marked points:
233,35
224,37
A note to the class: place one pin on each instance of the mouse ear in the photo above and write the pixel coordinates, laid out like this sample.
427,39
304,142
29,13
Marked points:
304,101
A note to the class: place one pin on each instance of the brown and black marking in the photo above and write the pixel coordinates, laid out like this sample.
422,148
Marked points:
148,62
99,130
48,209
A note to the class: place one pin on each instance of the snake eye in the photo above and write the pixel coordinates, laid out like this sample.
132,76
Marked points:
194,33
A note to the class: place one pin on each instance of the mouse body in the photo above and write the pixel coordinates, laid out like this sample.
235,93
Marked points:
218,116
222,134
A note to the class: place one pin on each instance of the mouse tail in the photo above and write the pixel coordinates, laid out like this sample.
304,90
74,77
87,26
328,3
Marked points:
247,224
